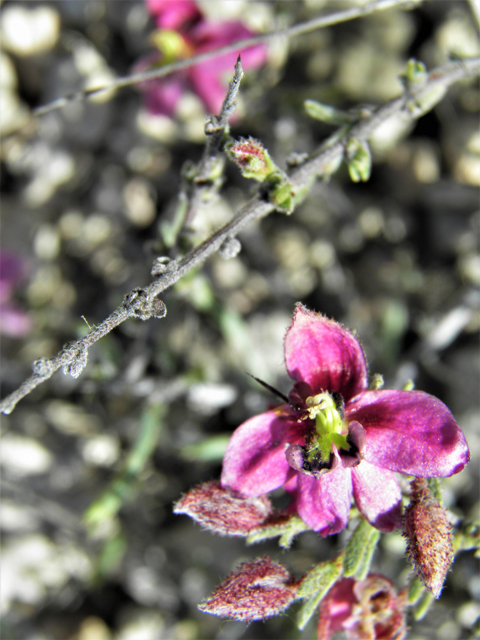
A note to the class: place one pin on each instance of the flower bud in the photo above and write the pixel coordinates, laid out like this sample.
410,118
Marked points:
368,609
359,160
252,158
427,530
214,508
255,591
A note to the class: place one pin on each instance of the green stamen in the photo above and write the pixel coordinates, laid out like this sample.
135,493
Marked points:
328,427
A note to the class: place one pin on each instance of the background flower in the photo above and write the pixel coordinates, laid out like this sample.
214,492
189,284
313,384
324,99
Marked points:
13,321
194,35
173,14
366,610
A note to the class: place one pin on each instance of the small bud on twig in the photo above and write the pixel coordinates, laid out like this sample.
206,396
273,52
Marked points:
139,305
230,248
252,158
359,160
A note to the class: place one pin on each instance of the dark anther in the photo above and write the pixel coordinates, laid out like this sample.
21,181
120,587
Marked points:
298,458
316,467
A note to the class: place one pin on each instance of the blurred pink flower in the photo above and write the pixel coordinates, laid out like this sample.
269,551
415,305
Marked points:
337,438
173,14
369,609
13,321
192,34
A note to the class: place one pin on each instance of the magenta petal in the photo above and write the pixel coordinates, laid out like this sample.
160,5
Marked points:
324,354
173,14
255,462
208,35
209,87
162,95
13,322
336,608
324,503
377,496
409,432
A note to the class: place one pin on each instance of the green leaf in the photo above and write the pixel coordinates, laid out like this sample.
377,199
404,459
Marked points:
435,488
124,486
286,529
424,101
282,196
414,79
416,73
208,450
151,423
359,160
416,589
169,230
467,539
315,586
423,605
328,114
111,556
360,550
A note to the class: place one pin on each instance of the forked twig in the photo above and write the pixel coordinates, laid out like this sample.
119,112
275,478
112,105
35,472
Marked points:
144,303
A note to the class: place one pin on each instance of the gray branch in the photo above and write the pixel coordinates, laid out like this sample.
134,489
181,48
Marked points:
144,303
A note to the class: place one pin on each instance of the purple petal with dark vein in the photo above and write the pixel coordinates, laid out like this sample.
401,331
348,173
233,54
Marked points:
324,503
255,462
410,432
377,496
322,353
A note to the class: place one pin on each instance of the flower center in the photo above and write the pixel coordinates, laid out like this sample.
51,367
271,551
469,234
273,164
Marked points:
171,44
329,427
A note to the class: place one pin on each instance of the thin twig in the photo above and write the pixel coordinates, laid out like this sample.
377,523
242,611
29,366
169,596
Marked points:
144,303
206,178
290,32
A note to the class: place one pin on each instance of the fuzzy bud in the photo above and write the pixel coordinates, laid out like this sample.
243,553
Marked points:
428,532
252,158
255,591
214,508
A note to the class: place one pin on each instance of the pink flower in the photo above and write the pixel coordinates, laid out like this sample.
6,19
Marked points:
192,34
173,14
366,610
13,322
336,438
